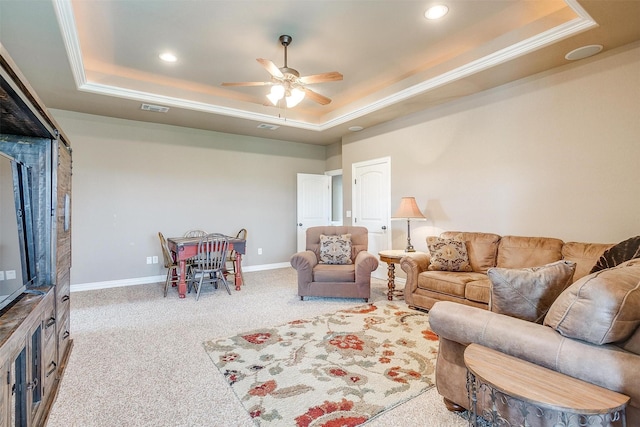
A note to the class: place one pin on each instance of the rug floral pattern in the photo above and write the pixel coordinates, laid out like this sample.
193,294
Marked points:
339,369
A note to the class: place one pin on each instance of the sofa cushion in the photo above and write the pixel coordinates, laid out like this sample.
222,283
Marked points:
585,255
448,282
482,248
600,308
359,238
448,254
523,252
335,249
623,251
334,273
478,290
527,293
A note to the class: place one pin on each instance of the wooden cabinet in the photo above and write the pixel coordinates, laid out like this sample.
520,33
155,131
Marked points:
28,355
35,336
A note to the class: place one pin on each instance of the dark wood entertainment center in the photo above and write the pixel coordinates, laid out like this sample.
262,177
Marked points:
35,339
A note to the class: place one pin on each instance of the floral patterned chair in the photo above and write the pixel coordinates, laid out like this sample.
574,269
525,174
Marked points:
335,263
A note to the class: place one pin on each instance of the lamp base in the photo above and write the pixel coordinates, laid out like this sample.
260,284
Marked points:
409,249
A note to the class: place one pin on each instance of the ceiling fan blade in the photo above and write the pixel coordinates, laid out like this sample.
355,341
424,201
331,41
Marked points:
314,96
247,84
333,76
271,68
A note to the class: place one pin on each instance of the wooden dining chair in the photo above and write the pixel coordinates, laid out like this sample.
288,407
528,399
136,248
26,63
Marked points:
209,263
233,256
173,267
195,233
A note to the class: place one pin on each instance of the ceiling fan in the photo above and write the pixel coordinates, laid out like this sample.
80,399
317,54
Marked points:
286,83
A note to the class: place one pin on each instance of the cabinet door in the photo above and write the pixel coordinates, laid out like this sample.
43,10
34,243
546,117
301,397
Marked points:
34,372
5,383
18,413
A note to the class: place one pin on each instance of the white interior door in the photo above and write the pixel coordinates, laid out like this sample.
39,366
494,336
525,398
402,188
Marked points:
371,204
313,204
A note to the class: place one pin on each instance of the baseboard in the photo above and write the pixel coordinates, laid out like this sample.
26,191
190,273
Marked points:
155,279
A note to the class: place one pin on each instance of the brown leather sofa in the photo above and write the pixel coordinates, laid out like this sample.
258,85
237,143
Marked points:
567,342
423,287
351,280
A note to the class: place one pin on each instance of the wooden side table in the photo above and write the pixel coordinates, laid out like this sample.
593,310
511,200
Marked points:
535,391
391,257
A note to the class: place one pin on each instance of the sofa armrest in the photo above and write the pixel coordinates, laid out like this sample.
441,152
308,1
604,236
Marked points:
605,365
365,264
413,265
304,262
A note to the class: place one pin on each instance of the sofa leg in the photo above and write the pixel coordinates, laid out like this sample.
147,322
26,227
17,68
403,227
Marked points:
452,406
366,300
301,298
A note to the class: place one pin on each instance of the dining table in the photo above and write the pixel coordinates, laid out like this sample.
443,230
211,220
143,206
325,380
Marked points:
183,248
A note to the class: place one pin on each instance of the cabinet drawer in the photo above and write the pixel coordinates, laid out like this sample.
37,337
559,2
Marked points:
63,293
64,334
50,366
49,324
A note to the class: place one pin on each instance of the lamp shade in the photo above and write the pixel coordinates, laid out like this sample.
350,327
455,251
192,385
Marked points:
408,209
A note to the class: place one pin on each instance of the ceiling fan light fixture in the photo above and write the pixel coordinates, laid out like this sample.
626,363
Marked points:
276,94
295,97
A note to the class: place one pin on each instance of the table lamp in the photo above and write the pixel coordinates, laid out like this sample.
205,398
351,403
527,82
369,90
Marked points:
408,210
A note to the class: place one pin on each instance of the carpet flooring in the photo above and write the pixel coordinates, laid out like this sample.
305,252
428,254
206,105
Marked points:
138,358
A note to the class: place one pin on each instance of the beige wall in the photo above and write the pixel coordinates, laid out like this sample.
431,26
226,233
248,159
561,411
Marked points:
553,155
133,179
334,156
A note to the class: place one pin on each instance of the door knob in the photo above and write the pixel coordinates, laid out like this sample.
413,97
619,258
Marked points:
299,224
384,227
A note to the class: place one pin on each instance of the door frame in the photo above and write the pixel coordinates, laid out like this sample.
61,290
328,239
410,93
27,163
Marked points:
332,173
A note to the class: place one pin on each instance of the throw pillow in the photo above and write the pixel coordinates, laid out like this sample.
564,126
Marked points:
601,308
335,249
623,251
527,293
448,254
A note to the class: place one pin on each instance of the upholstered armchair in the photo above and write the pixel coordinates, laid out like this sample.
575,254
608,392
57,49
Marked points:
336,263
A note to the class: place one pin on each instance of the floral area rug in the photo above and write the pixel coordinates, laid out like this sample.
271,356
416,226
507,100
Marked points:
339,369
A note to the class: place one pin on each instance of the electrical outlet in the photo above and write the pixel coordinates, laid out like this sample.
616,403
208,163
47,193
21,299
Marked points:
259,251
155,259
11,274
149,260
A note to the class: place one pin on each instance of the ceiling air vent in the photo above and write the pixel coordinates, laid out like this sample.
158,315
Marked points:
267,126
154,108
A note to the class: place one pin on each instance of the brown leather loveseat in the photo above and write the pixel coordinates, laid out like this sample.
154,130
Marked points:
425,287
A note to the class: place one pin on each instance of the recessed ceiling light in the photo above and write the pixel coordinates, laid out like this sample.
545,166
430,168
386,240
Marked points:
356,128
436,12
168,57
583,52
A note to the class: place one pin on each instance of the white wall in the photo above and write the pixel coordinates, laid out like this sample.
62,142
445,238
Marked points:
557,154
133,179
